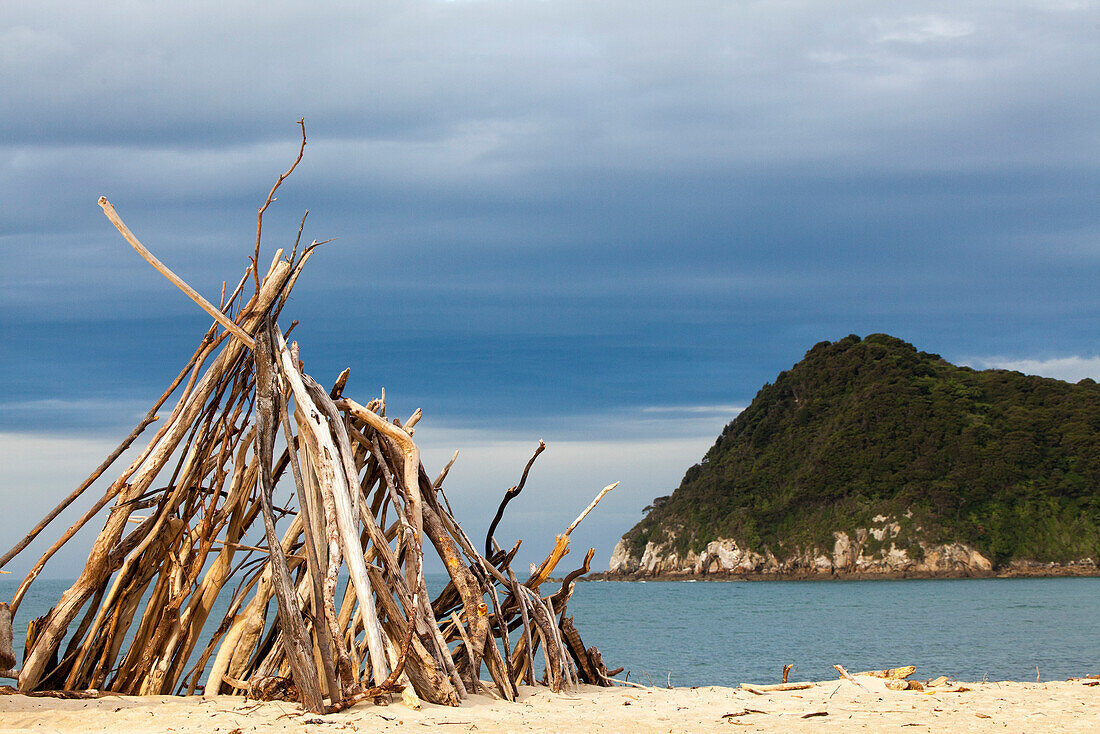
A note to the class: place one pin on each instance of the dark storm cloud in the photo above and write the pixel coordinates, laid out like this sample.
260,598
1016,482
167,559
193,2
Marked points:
546,209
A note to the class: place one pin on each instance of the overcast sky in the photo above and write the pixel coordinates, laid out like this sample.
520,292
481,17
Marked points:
603,224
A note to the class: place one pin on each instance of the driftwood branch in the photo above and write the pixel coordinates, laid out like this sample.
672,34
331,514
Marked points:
774,687
508,497
161,268
271,198
848,676
561,543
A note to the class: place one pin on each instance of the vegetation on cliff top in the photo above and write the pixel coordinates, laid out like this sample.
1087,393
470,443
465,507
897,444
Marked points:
1006,463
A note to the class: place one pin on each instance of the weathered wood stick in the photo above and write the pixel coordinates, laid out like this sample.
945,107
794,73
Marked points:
420,666
848,676
7,653
241,512
558,600
321,513
297,646
426,619
544,622
207,594
467,587
167,635
158,669
325,642
521,656
482,570
246,585
775,687
247,654
290,284
244,628
407,447
475,684
443,474
506,677
444,533
271,197
591,506
569,671
117,608
508,497
269,656
179,282
498,671
348,514
561,543
577,651
411,421
425,622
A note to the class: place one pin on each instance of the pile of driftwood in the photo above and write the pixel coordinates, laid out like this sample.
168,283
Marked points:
341,551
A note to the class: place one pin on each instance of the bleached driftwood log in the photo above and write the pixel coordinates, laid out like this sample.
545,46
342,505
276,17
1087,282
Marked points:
891,673
777,687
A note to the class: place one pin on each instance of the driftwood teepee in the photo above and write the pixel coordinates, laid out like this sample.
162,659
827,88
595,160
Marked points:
341,552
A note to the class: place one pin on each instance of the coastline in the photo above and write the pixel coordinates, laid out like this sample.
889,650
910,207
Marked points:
1071,570
835,705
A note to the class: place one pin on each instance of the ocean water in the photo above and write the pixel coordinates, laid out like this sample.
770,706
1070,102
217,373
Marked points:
726,633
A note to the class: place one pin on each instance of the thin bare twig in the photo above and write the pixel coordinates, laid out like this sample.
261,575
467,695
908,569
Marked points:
267,203
298,239
508,497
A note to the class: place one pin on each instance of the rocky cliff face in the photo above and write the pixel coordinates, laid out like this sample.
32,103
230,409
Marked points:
868,551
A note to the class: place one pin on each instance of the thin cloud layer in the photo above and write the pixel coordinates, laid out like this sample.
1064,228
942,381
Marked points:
1071,369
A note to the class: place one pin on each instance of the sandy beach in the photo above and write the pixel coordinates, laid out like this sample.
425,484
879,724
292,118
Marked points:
1062,706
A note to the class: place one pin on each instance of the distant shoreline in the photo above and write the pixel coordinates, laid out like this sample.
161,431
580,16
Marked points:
1078,570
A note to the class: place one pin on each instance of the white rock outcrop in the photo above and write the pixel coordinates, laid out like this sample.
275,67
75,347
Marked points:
848,555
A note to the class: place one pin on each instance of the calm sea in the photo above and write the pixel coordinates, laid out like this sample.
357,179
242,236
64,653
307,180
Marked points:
725,633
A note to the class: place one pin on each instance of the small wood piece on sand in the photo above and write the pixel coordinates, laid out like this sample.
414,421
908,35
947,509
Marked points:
777,687
891,673
848,676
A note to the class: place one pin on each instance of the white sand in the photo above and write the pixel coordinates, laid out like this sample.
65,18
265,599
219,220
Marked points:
1062,706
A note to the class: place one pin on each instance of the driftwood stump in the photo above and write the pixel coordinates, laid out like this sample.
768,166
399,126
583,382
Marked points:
7,651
